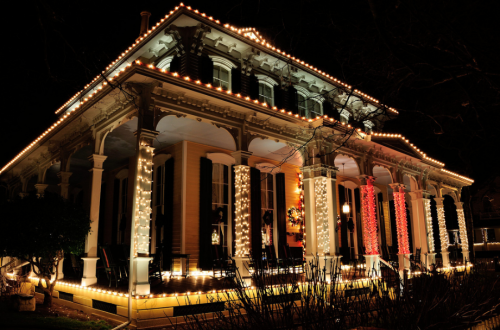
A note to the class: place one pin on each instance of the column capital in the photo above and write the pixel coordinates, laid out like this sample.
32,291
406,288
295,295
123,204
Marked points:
319,170
241,157
460,205
40,188
439,200
64,176
418,194
97,160
396,186
364,179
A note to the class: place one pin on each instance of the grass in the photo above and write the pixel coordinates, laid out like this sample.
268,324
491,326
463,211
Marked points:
31,320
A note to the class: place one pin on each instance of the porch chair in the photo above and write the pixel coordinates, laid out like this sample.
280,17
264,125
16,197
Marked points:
222,263
416,262
272,262
110,265
76,264
155,266
293,258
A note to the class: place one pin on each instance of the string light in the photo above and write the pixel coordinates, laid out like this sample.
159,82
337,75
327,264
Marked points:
443,233
430,230
143,200
463,229
369,218
242,187
322,232
401,223
300,208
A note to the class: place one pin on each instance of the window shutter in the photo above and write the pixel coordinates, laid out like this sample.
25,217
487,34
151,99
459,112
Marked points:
207,70
233,202
255,214
168,214
236,80
175,65
330,111
382,219
344,245
359,232
205,239
254,87
281,212
116,204
278,96
292,100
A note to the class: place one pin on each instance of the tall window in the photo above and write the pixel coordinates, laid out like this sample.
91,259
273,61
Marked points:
160,185
265,94
122,216
221,77
267,204
302,105
314,108
220,203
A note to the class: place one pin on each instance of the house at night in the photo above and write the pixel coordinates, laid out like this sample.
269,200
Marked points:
486,212
203,134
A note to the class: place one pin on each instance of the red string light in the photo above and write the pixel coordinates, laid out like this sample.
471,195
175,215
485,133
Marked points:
401,222
369,218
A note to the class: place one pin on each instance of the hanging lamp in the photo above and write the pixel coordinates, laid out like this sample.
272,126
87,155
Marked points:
345,208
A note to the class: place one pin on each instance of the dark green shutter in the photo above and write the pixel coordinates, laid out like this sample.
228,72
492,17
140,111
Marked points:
236,80
168,214
116,203
278,97
205,261
281,212
207,70
254,87
175,65
255,214
293,100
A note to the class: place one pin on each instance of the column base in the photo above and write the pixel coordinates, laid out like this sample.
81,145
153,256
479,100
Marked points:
242,266
466,257
141,286
404,261
431,259
89,271
446,258
372,265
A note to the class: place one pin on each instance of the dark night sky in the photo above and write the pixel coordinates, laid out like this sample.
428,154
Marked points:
57,47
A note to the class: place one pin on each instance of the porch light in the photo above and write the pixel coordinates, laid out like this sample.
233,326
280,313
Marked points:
346,209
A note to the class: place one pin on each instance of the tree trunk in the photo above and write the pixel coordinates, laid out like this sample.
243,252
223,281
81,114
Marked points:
47,298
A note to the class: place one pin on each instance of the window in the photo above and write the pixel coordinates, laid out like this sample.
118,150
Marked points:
221,77
122,205
265,94
302,105
220,204
267,204
165,63
314,108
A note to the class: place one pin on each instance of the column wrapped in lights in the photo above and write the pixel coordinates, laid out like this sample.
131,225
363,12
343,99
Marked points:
401,222
242,187
300,207
443,233
430,231
369,218
322,232
143,200
463,229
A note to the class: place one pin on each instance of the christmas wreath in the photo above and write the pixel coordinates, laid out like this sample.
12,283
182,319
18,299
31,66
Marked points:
268,217
294,216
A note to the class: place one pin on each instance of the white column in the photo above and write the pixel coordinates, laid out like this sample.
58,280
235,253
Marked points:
401,224
89,262
463,231
431,255
443,234
141,213
64,184
242,212
320,213
370,236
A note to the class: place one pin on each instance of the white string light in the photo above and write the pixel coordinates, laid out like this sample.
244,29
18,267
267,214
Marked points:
463,229
430,231
242,187
322,232
143,200
443,234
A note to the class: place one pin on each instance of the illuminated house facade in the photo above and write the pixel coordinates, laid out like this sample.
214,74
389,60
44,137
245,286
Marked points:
201,129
